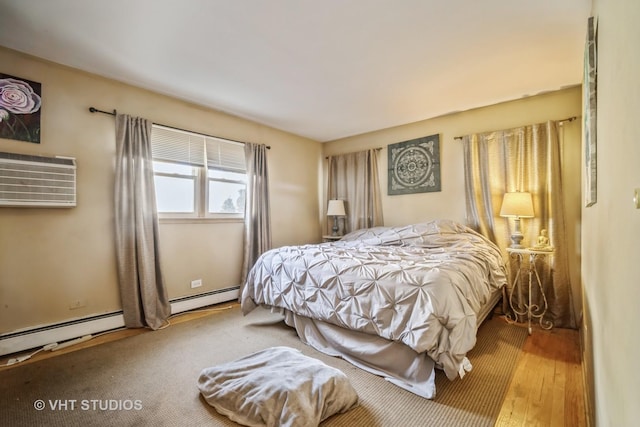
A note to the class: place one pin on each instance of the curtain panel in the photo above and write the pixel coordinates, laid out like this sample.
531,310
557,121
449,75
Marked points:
527,159
257,229
142,290
354,178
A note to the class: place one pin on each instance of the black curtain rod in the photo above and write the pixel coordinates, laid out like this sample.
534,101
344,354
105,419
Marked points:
377,149
114,112
568,119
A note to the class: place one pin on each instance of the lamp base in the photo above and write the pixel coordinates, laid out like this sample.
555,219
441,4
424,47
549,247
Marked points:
516,241
335,226
517,236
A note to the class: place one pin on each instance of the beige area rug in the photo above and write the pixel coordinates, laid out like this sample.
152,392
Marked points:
150,379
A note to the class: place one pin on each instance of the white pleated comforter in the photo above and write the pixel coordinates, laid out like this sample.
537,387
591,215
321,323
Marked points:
421,285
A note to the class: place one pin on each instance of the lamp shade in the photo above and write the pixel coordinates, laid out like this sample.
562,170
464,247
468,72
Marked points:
336,208
517,204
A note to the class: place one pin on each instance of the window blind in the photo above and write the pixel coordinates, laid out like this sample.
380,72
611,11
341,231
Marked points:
225,155
178,146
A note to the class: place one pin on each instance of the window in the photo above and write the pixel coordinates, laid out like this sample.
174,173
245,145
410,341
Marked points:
197,176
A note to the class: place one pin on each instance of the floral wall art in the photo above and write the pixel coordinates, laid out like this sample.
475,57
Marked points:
20,104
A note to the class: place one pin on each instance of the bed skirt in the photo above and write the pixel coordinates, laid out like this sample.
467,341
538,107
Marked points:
396,362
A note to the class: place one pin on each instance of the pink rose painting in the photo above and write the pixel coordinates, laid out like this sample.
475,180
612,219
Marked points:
20,102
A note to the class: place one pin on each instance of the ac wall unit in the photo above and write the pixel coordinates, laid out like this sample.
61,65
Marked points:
35,181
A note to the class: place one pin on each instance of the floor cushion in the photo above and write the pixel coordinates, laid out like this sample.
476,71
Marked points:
278,386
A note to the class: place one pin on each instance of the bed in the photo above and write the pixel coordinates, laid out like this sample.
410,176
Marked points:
395,301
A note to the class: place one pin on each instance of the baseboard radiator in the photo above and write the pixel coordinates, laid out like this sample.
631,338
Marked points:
42,335
36,181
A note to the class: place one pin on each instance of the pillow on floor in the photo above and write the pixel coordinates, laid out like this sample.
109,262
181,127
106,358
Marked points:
278,386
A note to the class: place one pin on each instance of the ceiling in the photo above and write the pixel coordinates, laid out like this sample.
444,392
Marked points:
323,69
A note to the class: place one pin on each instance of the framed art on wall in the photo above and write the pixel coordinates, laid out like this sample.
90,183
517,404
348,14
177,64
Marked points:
20,102
589,114
414,166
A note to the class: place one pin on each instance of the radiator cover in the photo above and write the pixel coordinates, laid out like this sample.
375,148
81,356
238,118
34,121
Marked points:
36,181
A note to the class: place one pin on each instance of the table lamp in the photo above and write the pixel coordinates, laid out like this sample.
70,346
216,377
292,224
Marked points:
335,209
517,205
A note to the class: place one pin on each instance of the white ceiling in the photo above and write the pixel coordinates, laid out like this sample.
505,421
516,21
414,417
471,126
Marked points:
324,69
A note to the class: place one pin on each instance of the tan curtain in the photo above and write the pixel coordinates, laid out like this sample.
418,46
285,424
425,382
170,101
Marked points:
354,178
522,159
142,291
257,230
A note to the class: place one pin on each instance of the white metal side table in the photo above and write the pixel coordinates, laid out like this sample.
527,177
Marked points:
529,309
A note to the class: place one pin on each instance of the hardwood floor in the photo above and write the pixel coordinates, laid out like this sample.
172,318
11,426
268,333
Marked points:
547,388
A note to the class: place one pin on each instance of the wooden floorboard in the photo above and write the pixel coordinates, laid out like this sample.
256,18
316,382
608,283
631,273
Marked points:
547,387
546,390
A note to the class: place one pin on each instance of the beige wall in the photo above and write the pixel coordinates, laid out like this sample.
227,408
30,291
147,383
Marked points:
611,227
449,203
51,257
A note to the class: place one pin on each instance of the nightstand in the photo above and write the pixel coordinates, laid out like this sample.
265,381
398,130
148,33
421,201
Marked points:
330,238
532,278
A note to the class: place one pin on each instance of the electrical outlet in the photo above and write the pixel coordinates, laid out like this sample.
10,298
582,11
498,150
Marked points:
196,283
77,303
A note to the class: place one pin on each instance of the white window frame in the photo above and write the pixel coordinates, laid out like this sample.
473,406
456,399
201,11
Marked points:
190,148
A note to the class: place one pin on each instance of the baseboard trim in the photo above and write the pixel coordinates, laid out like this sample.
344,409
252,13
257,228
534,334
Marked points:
588,393
192,302
39,336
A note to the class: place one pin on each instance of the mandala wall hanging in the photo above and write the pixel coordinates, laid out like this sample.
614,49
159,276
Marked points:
414,166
